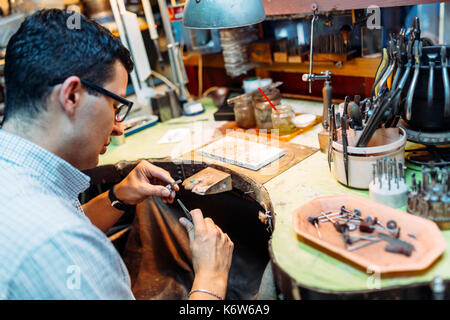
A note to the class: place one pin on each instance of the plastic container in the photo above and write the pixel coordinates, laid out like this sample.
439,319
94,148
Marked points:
388,143
244,113
263,109
394,196
283,120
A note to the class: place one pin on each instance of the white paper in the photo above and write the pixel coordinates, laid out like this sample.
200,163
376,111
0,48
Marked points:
243,153
174,135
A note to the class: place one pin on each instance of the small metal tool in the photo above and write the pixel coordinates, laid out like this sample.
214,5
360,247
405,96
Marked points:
329,214
412,88
329,218
396,245
344,146
315,223
171,185
362,245
186,211
374,172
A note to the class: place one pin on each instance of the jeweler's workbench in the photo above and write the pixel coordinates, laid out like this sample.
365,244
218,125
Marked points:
309,267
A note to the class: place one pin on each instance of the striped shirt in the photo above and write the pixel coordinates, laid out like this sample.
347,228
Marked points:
49,249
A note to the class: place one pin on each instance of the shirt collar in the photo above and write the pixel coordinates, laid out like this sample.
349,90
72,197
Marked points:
57,174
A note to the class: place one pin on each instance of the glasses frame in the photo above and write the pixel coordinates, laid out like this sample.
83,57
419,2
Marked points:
124,102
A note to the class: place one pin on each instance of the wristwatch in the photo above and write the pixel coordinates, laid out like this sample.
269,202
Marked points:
116,203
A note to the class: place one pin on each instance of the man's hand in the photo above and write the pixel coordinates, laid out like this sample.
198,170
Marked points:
144,181
212,252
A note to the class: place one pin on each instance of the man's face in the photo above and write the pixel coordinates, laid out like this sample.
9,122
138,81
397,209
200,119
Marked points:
98,120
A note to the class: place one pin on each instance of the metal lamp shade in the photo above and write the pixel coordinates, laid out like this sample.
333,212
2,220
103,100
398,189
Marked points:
219,14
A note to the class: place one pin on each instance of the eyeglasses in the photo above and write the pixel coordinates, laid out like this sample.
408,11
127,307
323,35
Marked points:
122,110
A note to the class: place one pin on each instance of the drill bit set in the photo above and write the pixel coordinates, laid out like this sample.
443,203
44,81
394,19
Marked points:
388,184
429,197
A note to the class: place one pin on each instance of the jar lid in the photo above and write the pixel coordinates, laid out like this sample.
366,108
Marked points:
283,107
271,94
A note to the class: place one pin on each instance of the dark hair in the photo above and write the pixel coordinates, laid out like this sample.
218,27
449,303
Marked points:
45,52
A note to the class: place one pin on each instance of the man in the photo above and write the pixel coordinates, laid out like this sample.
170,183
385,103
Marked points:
63,91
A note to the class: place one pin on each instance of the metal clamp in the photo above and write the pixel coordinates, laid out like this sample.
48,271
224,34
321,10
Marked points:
267,219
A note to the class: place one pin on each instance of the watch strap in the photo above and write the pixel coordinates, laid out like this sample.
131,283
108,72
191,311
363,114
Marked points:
116,203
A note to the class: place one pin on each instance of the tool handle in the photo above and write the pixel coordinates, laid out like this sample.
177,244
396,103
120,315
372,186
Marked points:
446,82
431,85
382,67
412,88
398,249
327,93
397,77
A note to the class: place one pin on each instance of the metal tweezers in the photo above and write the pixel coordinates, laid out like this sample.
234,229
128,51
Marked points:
186,211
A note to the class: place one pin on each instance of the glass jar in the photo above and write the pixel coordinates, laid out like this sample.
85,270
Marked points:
263,109
283,120
243,113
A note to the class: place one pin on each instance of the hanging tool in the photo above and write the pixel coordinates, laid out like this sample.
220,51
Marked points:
186,211
396,112
345,145
345,30
416,29
409,100
431,57
392,64
444,66
382,67
401,57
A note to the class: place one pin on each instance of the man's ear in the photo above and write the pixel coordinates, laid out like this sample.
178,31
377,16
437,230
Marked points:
70,95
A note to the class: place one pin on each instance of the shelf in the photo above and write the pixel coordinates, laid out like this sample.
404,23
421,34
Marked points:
357,67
